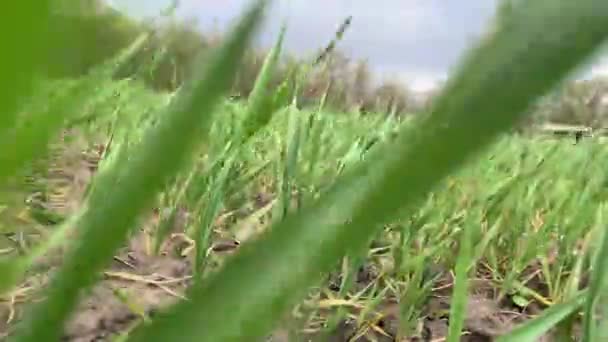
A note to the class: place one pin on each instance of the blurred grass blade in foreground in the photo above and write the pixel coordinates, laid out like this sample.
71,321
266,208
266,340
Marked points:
528,55
33,136
126,190
24,47
534,329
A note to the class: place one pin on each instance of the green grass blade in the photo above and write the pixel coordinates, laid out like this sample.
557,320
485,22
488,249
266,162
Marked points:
290,162
598,282
315,126
261,104
534,329
113,212
24,44
461,282
215,199
497,82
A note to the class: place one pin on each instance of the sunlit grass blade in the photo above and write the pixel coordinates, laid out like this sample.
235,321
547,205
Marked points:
488,95
535,328
124,192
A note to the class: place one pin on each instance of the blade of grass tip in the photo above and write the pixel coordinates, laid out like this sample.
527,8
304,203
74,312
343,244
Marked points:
25,45
488,95
105,226
534,329
260,104
598,281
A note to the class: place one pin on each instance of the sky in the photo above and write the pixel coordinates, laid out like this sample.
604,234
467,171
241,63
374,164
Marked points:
414,41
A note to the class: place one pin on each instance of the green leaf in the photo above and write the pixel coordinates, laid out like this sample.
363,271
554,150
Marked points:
520,301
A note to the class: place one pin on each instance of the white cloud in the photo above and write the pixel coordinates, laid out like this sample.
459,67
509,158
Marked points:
599,68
